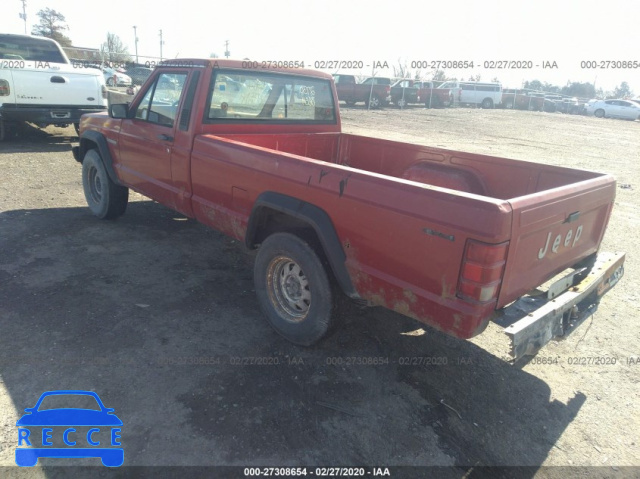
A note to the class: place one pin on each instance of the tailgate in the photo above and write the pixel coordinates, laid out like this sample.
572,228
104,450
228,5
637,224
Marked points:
57,84
552,230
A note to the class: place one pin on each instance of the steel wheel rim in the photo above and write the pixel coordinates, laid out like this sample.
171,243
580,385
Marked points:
288,289
95,185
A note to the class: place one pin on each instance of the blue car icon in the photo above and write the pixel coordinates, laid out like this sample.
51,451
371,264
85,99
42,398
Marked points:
96,422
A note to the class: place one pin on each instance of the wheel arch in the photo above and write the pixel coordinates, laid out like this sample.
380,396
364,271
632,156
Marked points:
91,139
274,212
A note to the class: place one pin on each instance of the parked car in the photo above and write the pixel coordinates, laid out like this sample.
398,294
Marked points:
138,74
522,99
403,92
634,100
449,238
569,105
40,85
373,94
625,109
432,96
116,77
486,95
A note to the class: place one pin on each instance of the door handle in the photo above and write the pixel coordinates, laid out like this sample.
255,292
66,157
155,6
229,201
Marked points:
164,137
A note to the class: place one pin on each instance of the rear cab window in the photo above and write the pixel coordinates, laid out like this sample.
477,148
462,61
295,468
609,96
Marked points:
30,49
269,97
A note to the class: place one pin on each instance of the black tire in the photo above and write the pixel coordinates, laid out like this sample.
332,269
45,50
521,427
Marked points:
401,103
599,113
76,126
106,200
375,102
293,289
4,133
487,103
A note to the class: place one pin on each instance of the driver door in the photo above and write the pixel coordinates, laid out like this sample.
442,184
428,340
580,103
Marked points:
146,138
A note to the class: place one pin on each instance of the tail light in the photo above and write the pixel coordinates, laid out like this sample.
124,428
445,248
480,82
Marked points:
482,271
104,91
4,88
388,90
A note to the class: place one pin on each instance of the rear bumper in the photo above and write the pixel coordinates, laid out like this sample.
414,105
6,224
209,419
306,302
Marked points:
47,114
531,322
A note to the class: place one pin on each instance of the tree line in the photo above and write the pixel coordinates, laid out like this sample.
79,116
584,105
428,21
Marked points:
52,24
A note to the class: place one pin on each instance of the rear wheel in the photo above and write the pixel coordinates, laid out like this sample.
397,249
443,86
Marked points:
401,103
599,113
106,200
293,288
487,103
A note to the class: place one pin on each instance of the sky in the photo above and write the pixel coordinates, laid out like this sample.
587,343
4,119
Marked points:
565,32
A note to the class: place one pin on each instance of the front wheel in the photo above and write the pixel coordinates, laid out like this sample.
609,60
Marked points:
599,113
374,102
293,288
106,200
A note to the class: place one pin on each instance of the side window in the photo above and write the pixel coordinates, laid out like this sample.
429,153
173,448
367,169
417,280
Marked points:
143,108
160,103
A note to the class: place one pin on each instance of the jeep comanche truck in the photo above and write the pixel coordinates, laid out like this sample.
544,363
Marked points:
449,238
373,94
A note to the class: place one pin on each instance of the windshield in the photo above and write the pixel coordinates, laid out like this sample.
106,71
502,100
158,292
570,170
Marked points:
62,401
260,96
30,49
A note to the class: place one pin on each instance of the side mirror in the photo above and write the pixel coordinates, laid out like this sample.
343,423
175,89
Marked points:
119,110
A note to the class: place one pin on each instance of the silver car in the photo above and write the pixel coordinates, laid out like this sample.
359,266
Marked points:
625,109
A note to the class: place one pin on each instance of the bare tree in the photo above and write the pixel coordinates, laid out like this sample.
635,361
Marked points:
623,91
51,25
113,50
439,75
401,71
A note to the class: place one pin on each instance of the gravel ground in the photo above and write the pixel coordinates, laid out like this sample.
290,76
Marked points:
157,314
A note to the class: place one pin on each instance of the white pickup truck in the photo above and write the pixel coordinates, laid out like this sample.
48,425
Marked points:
38,84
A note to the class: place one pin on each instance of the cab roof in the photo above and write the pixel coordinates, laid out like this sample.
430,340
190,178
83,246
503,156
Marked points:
250,65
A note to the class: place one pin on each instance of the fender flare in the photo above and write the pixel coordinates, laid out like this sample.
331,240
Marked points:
316,218
98,139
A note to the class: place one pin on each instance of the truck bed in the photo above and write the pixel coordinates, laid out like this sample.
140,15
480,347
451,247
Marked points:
412,190
464,172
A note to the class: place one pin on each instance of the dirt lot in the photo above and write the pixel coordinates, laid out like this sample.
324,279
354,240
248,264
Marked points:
154,313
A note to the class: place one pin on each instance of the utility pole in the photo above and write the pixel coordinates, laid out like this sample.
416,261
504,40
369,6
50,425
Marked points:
161,42
135,34
23,15
227,53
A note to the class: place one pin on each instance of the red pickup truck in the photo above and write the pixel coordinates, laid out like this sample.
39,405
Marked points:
432,96
451,239
375,93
